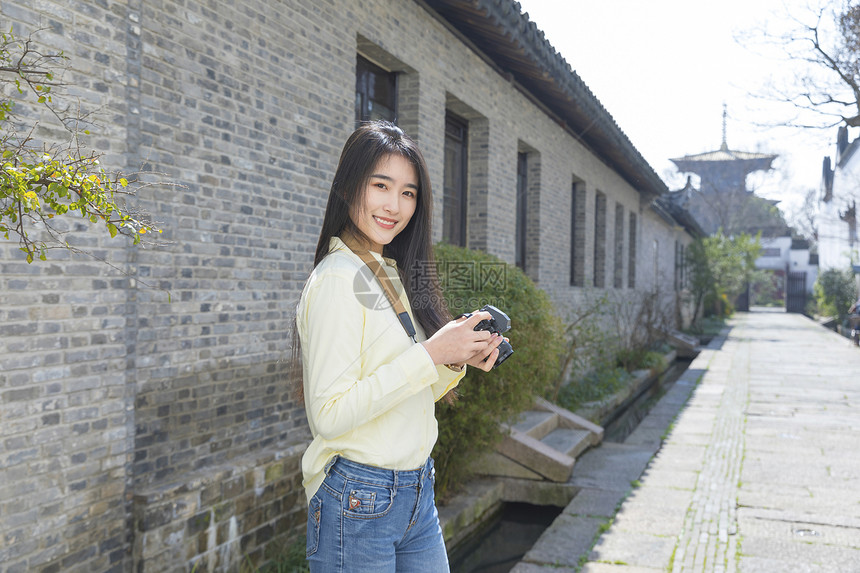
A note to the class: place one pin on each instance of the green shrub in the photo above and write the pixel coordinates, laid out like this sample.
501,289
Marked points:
811,308
653,361
631,358
595,385
587,342
835,292
708,327
642,359
470,426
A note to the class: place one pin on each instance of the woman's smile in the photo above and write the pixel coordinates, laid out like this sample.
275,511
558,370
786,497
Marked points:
385,223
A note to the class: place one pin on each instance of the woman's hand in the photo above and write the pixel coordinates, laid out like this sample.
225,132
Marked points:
486,361
458,342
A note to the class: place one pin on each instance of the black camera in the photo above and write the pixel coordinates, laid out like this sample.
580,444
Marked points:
499,324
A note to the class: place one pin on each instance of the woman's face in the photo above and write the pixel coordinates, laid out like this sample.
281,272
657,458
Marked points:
389,201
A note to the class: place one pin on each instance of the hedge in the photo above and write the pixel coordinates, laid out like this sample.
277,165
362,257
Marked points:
470,426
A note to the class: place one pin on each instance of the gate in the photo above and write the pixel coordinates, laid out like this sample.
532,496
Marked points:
742,302
795,297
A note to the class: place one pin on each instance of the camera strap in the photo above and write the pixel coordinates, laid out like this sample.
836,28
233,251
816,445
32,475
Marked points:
385,282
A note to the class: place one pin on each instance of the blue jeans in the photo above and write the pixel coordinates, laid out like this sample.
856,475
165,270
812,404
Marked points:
368,519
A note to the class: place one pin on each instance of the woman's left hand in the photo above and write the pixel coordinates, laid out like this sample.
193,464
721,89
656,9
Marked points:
487,358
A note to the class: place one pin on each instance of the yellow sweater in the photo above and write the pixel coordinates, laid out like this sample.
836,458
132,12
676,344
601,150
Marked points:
369,390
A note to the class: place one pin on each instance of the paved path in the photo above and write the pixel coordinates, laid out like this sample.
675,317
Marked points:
760,471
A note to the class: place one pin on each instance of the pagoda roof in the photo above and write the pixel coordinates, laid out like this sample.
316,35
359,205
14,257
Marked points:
726,155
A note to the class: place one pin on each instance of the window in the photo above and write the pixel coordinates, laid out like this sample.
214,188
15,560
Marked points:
522,200
618,276
454,203
680,266
655,244
577,233
771,252
375,92
683,266
631,252
600,240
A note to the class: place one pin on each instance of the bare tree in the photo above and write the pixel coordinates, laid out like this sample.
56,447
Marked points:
826,37
805,218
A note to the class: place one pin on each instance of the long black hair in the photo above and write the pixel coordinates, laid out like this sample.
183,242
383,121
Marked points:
412,248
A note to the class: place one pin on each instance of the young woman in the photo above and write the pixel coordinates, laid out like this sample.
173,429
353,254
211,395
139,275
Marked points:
369,388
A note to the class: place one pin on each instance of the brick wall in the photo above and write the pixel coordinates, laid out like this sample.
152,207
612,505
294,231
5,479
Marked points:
221,518
656,265
65,436
143,414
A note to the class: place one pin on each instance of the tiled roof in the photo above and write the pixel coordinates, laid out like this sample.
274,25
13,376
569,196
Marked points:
674,206
515,45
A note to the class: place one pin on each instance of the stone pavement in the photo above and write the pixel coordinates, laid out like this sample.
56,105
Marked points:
759,472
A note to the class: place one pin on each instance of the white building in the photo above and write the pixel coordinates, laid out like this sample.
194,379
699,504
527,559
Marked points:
789,259
837,215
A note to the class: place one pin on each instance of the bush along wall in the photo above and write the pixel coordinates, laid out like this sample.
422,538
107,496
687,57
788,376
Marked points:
471,425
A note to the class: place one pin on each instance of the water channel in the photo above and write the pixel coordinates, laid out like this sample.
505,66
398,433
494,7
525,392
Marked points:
511,531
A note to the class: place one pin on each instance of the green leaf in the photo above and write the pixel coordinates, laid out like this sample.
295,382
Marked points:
29,257
112,230
123,182
41,99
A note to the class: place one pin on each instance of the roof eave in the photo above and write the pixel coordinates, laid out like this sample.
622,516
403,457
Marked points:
519,48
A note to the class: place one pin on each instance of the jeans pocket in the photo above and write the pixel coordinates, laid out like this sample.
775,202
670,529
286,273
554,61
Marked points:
365,501
313,533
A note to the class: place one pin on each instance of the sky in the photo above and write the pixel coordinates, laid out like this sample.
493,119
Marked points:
664,68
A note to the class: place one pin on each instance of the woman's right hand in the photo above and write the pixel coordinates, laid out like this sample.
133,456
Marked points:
458,342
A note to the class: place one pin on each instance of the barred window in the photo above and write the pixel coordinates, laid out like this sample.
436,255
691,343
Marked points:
375,92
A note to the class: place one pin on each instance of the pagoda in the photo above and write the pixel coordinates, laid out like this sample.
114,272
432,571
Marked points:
724,170
723,200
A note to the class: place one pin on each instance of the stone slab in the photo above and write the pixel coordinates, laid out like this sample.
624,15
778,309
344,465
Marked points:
565,541
651,520
633,548
648,438
813,499
671,478
657,497
830,530
538,492
616,568
523,567
610,467
536,456
594,503
495,464
774,565
802,554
